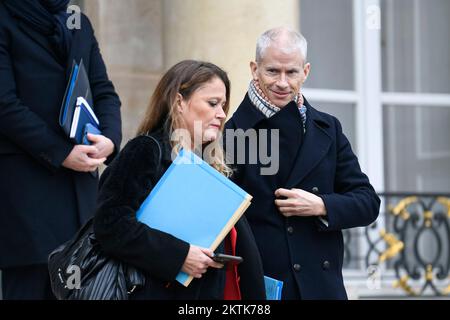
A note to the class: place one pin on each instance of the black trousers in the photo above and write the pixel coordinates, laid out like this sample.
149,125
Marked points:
27,283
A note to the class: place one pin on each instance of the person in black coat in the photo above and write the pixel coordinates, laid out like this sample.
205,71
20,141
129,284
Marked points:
190,92
48,185
305,180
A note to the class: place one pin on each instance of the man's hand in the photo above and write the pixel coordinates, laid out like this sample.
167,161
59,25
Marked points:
198,260
299,202
103,144
79,159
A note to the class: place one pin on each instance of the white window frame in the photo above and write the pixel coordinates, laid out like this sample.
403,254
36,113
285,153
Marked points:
369,99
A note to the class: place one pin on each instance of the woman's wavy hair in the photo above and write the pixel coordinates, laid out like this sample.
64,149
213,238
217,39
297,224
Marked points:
185,78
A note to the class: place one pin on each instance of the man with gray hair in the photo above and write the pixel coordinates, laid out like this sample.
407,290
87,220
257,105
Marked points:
297,214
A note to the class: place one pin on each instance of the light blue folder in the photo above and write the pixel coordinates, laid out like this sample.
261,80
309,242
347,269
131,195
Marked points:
273,288
195,203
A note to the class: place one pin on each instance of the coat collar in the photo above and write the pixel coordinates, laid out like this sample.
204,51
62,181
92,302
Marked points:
38,38
163,137
316,141
75,52
247,116
41,40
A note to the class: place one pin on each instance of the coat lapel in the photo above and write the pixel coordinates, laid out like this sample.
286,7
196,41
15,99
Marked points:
38,38
74,53
316,144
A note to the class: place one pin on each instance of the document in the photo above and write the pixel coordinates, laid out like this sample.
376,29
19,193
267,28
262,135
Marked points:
195,203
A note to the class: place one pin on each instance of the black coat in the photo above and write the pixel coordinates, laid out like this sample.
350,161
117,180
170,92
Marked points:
42,203
302,251
123,187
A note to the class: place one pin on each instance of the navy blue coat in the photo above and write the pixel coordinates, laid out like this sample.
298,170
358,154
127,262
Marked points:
302,251
42,203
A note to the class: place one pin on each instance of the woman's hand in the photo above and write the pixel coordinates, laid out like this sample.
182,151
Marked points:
198,260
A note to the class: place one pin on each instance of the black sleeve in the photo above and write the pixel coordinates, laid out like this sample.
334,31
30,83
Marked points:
23,126
123,187
106,101
354,202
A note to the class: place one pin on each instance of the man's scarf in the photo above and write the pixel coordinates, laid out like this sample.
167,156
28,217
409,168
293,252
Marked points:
48,17
266,107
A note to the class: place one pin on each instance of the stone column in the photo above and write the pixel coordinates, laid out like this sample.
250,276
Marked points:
130,36
141,39
223,32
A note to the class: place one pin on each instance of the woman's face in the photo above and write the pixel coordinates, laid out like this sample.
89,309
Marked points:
203,112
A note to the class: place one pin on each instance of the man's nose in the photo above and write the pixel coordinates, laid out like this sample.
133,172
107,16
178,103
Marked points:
282,81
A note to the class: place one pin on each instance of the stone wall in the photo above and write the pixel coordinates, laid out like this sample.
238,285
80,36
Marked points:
140,39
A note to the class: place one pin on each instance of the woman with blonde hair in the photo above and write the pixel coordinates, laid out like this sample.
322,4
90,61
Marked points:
187,110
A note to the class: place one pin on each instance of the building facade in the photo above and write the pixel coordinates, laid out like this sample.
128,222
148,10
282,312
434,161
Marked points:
381,66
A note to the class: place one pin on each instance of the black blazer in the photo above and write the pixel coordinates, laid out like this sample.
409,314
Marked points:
42,203
123,187
302,251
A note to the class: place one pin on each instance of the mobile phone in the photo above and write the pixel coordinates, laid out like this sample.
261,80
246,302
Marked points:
225,258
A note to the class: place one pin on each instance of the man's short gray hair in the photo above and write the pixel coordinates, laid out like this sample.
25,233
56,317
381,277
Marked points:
295,41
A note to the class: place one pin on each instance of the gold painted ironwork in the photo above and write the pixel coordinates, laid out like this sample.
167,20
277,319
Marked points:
428,215
446,291
395,246
400,208
429,273
403,283
446,203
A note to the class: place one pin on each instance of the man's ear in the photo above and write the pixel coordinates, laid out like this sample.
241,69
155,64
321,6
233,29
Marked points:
254,70
306,70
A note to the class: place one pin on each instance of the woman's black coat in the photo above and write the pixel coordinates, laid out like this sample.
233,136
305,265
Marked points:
123,187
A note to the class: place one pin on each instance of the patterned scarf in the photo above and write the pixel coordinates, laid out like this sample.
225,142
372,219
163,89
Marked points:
267,108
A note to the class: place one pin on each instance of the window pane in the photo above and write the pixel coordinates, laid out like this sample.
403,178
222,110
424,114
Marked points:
417,148
416,45
327,26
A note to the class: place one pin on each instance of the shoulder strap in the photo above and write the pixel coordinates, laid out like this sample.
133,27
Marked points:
159,151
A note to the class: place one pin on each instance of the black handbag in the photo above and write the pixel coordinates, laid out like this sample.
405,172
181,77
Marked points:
79,270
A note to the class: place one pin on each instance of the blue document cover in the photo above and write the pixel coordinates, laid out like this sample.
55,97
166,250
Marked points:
84,120
273,288
78,86
195,203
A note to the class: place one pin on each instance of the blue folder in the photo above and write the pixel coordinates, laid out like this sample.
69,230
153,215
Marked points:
84,121
273,288
194,202
78,86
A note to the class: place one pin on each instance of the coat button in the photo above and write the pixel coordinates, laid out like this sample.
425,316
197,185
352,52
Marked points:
326,265
290,230
297,267
315,190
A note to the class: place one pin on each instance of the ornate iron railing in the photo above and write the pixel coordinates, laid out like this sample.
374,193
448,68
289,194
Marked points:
411,239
